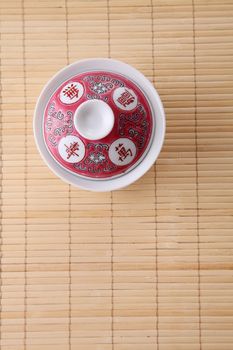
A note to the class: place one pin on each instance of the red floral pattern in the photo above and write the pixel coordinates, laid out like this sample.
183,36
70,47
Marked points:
134,124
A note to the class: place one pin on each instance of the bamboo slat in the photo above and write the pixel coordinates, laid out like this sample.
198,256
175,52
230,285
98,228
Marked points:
146,267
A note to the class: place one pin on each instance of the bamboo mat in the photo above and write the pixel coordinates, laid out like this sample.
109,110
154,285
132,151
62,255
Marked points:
144,268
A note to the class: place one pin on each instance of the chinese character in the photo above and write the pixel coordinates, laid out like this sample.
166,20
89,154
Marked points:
71,91
123,154
71,150
126,98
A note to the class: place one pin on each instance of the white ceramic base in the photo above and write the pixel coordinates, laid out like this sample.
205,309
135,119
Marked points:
156,107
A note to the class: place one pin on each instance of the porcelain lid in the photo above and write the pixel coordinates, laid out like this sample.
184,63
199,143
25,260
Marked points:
98,125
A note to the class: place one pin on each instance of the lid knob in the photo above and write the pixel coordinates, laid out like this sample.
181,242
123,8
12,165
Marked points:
94,119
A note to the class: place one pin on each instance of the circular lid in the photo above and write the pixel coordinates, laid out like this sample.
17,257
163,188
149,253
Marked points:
96,124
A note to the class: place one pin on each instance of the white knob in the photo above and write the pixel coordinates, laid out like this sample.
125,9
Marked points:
94,119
